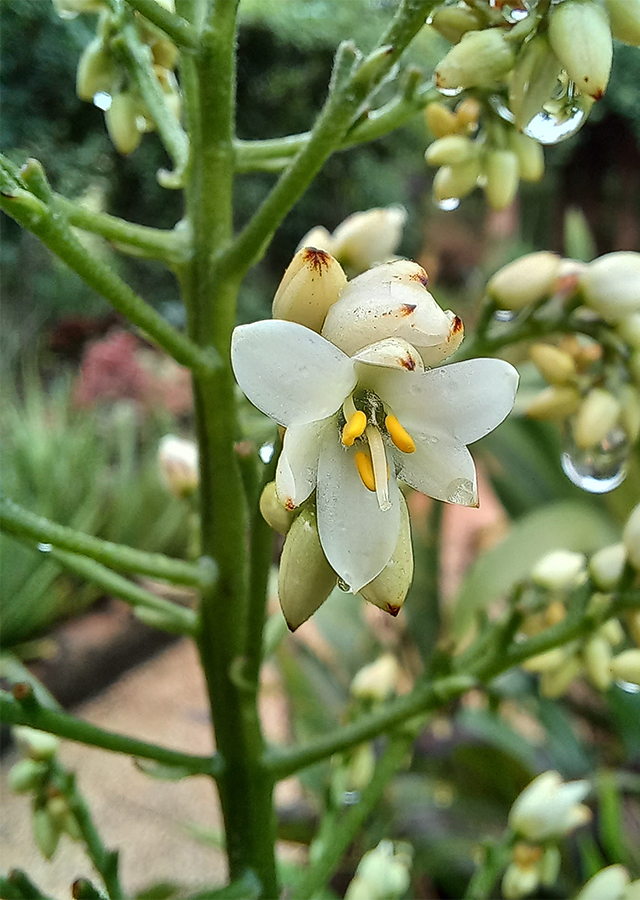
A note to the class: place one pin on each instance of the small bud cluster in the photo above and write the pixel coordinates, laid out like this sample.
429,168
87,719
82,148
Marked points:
102,79
382,874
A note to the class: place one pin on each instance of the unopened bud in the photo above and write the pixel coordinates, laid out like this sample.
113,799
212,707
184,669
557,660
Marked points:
45,832
630,412
612,631
121,120
501,171
555,365
519,881
361,767
376,682
450,150
319,238
597,415
548,661
369,237
629,330
178,461
96,70
606,566
273,512
526,280
632,619
607,884
626,666
452,22
530,156
596,656
26,775
624,20
306,579
480,59
455,182
550,865
165,53
580,36
611,285
554,403
440,120
549,808
383,874
559,570
631,538
38,744
467,114
309,287
555,682
389,589
534,80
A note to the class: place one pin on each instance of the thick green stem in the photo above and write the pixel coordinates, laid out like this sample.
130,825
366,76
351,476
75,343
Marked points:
14,712
174,26
23,524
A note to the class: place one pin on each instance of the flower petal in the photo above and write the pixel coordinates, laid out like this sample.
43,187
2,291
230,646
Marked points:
298,464
440,468
289,372
357,537
465,400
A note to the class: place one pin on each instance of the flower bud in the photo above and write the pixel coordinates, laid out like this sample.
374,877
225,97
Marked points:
597,415
121,121
319,238
383,874
369,237
389,589
309,287
519,881
626,666
273,512
629,330
481,58
631,538
608,883
26,775
596,656
554,403
96,70
452,22
555,682
548,661
580,36
455,182
605,567
450,150
550,865
440,120
549,808
388,301
612,631
624,20
305,579
45,832
555,365
468,114
501,171
611,285
559,570
38,744
630,412
526,280
165,53
178,461
530,156
534,79
376,682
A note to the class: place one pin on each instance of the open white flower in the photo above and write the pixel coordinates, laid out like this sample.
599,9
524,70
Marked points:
549,807
357,424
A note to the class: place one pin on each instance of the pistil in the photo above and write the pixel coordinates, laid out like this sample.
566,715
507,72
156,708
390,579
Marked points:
380,467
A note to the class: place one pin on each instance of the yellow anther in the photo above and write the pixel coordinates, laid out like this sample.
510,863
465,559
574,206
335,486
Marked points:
401,438
365,470
354,428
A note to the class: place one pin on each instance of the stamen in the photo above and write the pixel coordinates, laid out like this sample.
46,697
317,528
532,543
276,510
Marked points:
380,467
354,428
365,470
401,438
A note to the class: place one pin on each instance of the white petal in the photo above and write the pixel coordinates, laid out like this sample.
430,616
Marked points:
392,353
298,464
357,537
440,468
465,400
289,372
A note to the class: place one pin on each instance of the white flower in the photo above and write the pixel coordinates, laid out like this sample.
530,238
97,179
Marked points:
178,460
357,424
549,808
609,883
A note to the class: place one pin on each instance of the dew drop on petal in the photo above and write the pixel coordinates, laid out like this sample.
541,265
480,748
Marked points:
266,452
629,687
504,315
343,586
45,548
450,92
499,104
102,100
599,469
351,798
449,204
461,491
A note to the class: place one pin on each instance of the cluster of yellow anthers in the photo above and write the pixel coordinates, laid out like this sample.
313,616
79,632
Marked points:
102,79
538,69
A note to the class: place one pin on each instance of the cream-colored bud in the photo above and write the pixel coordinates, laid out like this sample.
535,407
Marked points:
468,114
606,566
455,182
530,156
309,288
550,865
629,330
554,403
580,36
273,512
361,767
37,744
26,775
480,59
369,237
451,150
607,884
165,53
454,21
534,79
440,120
178,461
376,682
612,631
382,874
389,589
305,579
548,661
559,570
555,365
96,70
598,413
549,808
319,238
121,120
555,682
596,656
630,412
501,172
519,882
631,538
626,666
611,285
526,280
624,20
45,831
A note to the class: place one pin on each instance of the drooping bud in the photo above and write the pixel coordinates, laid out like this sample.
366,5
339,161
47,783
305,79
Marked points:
455,182
452,22
555,365
440,120
530,156
549,808
37,744
626,666
273,512
305,579
534,79
611,285
554,403
526,280
631,538
580,36
606,566
46,832
121,120
610,883
624,20
480,59
309,288
370,237
178,461
450,151
389,589
96,70
596,656
26,775
560,570
501,171
598,413
376,682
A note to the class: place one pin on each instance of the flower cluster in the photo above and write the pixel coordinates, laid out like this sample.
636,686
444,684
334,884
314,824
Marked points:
362,410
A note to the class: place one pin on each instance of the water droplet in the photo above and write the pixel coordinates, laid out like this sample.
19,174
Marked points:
505,315
449,204
102,100
450,92
461,490
499,104
45,548
629,687
266,452
350,798
561,117
599,469
343,586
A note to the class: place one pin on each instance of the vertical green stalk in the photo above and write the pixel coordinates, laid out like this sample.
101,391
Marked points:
246,788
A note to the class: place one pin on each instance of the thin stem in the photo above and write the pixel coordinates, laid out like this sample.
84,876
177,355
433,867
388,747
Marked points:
483,881
174,26
55,234
16,520
63,725
176,619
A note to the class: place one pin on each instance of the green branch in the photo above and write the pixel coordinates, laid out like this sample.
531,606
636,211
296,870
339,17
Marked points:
18,521
14,712
174,26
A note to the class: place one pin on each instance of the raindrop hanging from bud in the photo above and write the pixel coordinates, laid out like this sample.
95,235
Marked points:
600,468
